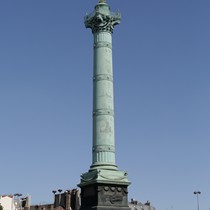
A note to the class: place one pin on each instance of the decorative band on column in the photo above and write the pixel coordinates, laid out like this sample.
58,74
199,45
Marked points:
104,157
103,112
104,148
103,44
103,37
103,77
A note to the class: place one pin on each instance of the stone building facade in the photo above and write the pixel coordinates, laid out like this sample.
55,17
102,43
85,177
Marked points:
68,200
71,200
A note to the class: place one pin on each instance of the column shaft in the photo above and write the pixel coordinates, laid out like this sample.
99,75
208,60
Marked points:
103,102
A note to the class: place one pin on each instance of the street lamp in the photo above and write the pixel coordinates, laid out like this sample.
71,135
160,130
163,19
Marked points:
59,190
197,193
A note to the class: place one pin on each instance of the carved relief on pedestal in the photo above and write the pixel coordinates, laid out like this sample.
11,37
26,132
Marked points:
112,195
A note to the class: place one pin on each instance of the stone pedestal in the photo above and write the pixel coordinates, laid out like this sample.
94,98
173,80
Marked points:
104,196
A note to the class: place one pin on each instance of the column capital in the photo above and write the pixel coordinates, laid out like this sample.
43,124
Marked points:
102,19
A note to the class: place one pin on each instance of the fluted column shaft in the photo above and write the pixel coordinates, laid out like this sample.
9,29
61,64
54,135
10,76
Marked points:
103,102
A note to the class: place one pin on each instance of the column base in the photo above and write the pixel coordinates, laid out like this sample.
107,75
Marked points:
104,176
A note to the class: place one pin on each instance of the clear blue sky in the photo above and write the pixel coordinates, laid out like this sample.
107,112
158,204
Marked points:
161,54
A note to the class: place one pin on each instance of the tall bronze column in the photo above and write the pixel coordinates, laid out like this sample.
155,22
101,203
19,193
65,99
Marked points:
104,185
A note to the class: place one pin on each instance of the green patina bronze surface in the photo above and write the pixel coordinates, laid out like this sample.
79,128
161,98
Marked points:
104,185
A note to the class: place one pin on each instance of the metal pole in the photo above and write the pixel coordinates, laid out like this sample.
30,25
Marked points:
197,194
198,201
60,190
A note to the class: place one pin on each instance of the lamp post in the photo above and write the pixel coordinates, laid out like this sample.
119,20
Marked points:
197,193
60,190
54,192
18,204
